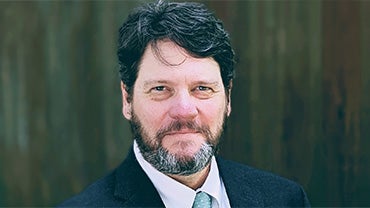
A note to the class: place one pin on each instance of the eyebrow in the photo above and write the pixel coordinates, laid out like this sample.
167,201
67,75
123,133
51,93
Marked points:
215,83
150,83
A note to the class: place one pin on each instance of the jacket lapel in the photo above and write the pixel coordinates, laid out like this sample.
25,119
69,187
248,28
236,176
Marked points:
239,191
133,186
135,189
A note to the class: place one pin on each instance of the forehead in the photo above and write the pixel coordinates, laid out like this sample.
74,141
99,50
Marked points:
166,52
166,55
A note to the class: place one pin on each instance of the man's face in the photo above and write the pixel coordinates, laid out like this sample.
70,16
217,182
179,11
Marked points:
177,110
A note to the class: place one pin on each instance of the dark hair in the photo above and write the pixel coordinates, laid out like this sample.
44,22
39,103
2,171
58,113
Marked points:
190,25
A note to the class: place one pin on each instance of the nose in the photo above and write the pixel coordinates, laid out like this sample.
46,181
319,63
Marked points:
183,107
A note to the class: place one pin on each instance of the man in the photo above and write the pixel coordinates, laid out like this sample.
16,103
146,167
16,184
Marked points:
177,66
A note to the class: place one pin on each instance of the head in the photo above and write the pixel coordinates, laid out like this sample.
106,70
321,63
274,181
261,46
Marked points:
176,68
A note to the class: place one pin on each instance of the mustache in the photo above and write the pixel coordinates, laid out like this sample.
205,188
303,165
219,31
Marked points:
179,125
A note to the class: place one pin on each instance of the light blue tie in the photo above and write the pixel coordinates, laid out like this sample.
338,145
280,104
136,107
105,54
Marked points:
202,200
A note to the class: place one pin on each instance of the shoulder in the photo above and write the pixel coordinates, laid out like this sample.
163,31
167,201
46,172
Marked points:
98,193
252,175
269,188
125,186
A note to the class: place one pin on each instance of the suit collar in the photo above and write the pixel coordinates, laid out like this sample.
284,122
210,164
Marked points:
136,190
133,185
238,190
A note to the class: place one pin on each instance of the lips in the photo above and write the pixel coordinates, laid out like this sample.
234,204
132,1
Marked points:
182,132
181,128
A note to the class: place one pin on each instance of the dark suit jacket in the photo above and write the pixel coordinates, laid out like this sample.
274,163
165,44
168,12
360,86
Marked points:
129,186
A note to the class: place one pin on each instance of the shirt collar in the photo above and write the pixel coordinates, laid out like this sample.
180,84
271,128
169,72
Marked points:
175,194
212,185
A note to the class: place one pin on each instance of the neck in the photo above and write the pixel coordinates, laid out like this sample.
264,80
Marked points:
195,180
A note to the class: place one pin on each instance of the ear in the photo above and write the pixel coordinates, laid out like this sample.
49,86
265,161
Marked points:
229,98
126,104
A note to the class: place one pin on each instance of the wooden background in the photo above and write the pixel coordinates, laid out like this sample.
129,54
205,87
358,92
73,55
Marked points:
301,101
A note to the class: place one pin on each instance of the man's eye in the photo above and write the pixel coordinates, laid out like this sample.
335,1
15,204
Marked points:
203,88
159,88
160,93
203,92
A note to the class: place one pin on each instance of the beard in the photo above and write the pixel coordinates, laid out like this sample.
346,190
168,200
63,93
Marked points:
172,163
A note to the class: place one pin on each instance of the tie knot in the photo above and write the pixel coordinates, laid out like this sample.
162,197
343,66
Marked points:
202,200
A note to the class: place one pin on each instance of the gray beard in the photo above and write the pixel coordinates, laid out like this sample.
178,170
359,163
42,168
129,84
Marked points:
168,163
173,164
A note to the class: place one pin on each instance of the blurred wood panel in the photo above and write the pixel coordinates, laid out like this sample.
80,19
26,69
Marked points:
279,69
342,96
301,106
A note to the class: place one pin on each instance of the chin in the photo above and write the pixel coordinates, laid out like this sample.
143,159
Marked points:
182,141
182,148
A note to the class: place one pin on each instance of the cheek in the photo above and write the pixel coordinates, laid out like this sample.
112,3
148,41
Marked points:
213,114
151,116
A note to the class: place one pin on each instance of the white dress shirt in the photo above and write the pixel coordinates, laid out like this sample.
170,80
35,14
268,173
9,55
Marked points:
176,194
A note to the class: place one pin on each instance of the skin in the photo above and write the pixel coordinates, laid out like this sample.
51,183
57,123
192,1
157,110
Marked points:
183,88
